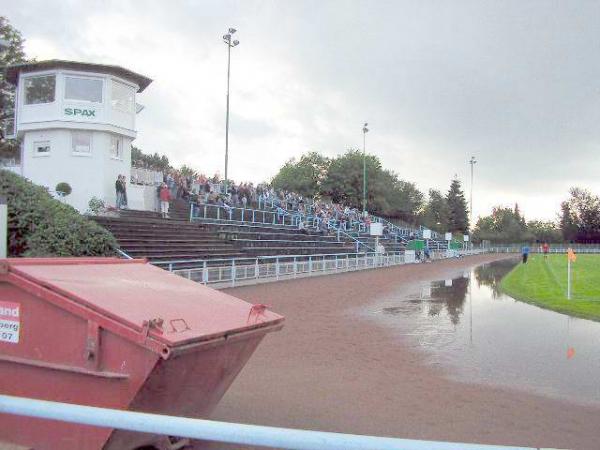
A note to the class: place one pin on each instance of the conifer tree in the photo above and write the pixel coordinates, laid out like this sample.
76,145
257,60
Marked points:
458,219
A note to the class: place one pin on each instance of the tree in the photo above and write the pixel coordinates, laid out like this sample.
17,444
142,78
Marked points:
544,231
344,181
435,213
405,200
146,161
567,224
187,171
386,194
304,176
580,216
457,208
15,54
504,225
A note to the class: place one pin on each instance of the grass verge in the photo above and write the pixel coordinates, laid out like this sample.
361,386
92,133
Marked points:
543,282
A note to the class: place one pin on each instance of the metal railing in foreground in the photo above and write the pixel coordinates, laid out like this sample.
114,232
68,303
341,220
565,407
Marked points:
232,271
209,430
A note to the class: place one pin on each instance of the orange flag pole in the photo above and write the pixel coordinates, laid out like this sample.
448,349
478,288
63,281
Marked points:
570,257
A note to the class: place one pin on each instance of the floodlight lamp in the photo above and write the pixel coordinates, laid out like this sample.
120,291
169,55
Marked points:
227,37
235,43
232,30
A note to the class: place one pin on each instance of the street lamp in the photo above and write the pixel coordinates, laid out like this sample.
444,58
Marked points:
472,161
365,131
230,45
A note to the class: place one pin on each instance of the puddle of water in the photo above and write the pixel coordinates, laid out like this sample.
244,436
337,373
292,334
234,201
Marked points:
485,336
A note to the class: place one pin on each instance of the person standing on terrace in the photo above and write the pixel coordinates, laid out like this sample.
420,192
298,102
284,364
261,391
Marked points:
165,196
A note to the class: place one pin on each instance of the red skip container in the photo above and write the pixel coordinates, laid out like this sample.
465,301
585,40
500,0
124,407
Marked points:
116,334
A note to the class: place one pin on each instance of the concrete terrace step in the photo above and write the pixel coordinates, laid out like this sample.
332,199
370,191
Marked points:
276,235
288,243
273,251
155,255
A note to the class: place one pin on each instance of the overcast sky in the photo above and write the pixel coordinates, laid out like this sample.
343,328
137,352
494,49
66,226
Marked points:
515,83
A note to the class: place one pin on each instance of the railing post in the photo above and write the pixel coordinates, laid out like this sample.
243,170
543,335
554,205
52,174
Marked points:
205,211
256,269
204,273
295,268
233,273
277,268
170,267
253,211
218,213
191,211
310,264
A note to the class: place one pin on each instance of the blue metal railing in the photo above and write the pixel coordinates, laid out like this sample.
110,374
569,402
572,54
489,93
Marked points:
209,430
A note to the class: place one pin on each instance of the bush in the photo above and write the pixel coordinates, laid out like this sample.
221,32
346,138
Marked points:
63,189
96,206
39,225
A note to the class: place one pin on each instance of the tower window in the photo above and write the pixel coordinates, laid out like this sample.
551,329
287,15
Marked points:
83,89
81,142
40,89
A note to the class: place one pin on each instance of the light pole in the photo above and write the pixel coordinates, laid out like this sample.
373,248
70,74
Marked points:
230,45
365,131
472,161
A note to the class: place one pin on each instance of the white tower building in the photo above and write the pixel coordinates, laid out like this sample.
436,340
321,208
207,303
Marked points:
76,122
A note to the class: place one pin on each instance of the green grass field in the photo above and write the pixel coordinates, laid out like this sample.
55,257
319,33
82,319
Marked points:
543,282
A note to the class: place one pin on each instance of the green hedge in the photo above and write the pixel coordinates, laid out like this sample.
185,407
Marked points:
39,225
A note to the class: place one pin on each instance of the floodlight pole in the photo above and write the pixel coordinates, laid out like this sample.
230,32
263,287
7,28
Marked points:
230,44
364,202
472,161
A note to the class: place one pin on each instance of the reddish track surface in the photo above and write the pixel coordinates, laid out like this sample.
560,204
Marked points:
331,370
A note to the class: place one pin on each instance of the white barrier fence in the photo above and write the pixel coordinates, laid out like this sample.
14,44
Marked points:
537,249
235,271
208,430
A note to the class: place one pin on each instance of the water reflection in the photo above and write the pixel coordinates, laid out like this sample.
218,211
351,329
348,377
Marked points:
450,296
491,275
486,336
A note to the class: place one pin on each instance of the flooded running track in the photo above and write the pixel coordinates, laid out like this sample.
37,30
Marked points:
466,325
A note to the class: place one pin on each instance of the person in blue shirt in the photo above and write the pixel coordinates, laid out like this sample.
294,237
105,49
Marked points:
525,253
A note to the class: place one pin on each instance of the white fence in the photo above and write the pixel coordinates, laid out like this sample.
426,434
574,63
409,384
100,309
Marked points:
236,271
538,249
146,176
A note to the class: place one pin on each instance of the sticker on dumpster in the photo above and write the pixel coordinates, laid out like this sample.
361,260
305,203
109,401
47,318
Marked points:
10,322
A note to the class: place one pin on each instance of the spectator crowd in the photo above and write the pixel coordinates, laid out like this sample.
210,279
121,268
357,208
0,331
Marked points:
211,191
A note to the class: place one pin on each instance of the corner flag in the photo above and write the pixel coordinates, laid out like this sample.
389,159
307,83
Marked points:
571,257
